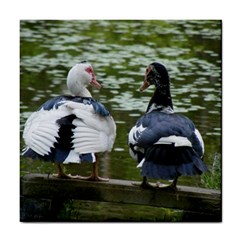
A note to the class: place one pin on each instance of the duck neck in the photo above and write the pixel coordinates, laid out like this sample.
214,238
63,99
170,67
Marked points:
81,92
85,93
160,99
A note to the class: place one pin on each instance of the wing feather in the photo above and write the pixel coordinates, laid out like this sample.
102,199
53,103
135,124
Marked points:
93,132
46,135
43,140
39,147
41,130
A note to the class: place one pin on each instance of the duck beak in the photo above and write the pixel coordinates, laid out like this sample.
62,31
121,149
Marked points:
95,83
145,84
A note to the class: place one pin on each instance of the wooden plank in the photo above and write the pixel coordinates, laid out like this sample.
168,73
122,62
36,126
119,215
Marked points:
191,199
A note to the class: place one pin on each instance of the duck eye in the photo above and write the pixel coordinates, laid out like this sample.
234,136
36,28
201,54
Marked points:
148,70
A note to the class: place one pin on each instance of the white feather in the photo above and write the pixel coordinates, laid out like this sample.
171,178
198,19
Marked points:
134,132
93,132
38,147
43,141
178,141
46,135
41,129
73,157
200,139
141,163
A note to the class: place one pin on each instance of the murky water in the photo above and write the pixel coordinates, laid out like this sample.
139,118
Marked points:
120,52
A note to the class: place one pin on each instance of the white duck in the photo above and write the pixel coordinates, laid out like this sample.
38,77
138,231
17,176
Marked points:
71,129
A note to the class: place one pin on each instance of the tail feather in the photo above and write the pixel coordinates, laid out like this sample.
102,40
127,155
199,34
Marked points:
60,156
168,162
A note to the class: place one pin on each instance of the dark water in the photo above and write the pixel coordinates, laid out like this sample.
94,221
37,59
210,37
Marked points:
120,52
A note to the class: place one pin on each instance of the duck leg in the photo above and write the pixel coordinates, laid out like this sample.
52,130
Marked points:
145,184
62,174
174,184
94,175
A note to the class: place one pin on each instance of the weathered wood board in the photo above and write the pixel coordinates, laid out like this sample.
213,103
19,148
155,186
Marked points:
199,201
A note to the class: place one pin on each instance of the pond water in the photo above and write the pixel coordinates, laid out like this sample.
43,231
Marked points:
119,52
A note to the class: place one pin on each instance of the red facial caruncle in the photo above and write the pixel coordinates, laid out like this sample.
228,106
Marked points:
94,80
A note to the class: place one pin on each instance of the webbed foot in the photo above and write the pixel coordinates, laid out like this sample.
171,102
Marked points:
145,184
66,176
63,175
94,178
171,187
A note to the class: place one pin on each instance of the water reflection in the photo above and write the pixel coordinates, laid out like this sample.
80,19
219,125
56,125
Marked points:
119,52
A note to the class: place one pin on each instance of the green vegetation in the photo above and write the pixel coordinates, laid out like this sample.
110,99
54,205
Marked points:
213,178
90,211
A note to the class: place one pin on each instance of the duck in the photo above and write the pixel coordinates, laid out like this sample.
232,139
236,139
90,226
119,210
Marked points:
165,144
71,128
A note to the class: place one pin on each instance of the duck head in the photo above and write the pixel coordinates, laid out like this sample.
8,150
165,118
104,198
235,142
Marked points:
79,77
156,74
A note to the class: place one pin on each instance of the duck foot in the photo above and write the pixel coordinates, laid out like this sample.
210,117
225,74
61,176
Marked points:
94,175
171,187
94,178
145,184
63,175
66,176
